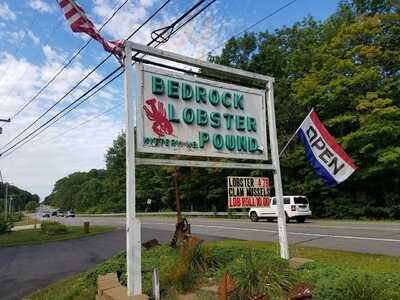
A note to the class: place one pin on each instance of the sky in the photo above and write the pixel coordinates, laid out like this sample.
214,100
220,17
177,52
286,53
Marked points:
36,42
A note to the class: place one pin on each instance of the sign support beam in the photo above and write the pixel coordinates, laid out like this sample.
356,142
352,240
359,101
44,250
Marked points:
283,241
133,241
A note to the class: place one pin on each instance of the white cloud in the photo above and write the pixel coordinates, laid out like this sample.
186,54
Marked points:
41,6
15,37
37,165
5,13
196,39
33,37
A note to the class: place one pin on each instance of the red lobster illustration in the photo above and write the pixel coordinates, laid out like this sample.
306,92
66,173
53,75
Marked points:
156,113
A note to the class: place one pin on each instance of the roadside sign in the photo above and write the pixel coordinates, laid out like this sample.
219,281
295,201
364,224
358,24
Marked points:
187,115
183,114
245,192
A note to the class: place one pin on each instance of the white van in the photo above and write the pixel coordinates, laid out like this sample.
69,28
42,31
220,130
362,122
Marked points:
296,207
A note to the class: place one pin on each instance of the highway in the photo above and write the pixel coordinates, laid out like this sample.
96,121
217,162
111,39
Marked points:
366,237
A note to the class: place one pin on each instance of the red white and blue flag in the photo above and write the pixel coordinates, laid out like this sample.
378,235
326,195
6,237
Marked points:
79,22
325,156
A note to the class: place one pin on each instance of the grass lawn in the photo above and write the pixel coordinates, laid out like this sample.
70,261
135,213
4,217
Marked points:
31,236
26,220
328,272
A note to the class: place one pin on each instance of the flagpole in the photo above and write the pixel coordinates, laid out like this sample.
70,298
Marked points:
294,134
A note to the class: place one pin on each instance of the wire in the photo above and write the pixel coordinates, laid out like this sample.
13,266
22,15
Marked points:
69,62
191,18
253,25
71,107
83,79
84,123
57,102
26,139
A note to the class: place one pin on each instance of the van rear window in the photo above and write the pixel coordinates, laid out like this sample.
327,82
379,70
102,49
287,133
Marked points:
300,200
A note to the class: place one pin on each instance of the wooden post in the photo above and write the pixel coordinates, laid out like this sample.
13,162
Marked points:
177,196
86,227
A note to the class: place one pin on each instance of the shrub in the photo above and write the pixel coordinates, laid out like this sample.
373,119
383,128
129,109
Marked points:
339,283
195,259
5,225
51,228
256,275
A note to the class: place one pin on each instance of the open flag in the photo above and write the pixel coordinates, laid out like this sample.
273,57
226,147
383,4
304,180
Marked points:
79,22
325,156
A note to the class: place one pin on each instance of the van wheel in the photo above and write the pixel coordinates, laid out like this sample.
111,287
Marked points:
253,216
300,219
287,218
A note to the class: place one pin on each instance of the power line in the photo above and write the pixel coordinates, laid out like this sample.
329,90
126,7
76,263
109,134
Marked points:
30,136
69,62
57,102
95,117
84,78
64,109
254,24
79,101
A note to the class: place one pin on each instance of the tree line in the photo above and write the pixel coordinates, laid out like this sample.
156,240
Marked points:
19,197
346,68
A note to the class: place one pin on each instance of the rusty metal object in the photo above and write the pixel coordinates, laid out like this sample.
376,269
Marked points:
182,230
226,287
302,291
191,241
150,244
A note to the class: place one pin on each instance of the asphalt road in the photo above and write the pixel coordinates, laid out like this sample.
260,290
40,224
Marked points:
366,237
25,269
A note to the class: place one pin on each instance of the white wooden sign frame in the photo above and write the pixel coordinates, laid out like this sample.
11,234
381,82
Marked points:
132,223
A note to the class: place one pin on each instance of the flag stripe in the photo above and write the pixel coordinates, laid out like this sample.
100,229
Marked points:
74,18
63,3
70,13
315,164
330,140
79,22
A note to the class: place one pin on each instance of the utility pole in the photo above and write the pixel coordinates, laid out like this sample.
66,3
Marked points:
6,201
11,206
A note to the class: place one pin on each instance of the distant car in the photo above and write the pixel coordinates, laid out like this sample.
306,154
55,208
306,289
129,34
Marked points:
296,207
70,214
46,214
60,214
54,213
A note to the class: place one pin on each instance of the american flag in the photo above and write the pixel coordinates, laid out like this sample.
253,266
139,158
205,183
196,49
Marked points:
79,22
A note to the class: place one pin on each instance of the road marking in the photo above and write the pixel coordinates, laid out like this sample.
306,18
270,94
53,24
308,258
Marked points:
291,233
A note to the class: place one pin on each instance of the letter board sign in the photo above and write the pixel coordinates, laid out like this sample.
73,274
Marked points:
248,192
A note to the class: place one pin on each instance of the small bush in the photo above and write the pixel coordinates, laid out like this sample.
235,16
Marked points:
194,261
51,228
256,275
340,283
5,225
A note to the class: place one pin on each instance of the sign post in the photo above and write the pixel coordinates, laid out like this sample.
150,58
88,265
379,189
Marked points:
133,241
282,232
178,113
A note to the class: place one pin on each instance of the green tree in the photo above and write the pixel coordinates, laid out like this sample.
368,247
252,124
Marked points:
31,206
